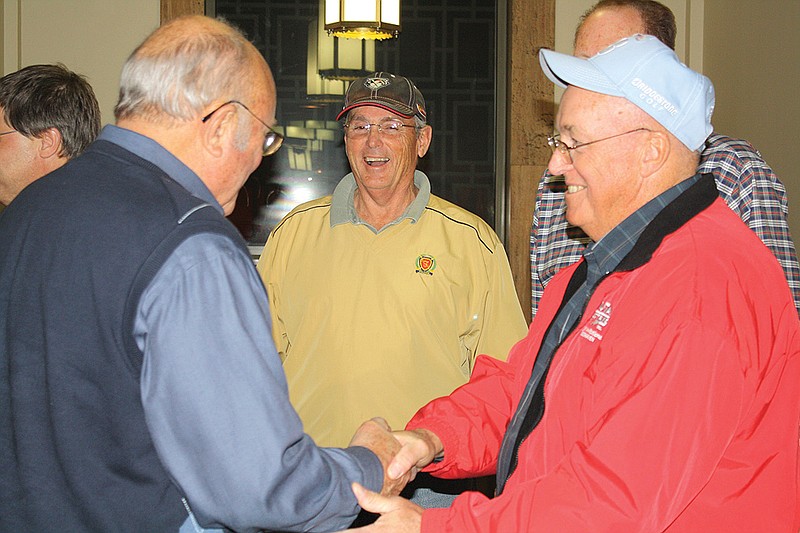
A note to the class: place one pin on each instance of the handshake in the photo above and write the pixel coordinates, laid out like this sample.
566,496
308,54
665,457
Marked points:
402,453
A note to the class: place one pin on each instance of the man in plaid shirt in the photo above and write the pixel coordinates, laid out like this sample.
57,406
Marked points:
746,183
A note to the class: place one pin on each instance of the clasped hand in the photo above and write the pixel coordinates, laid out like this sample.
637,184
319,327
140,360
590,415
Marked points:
403,454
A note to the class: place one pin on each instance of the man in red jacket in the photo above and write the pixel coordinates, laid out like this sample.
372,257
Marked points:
657,388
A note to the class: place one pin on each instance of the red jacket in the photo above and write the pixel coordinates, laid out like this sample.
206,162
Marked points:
674,405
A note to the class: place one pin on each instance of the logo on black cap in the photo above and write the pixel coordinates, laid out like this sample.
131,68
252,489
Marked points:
374,84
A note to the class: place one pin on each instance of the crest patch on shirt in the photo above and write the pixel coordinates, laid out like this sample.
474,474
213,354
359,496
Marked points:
426,264
593,331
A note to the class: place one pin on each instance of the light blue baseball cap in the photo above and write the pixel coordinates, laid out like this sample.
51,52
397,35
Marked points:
646,72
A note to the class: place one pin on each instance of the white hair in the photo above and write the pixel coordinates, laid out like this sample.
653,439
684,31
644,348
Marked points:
182,76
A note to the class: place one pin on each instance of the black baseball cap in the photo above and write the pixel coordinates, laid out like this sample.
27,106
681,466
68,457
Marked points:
388,91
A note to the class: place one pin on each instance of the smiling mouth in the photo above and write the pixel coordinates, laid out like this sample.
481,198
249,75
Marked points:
572,189
375,160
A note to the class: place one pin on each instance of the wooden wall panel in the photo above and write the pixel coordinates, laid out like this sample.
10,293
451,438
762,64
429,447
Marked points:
532,26
175,8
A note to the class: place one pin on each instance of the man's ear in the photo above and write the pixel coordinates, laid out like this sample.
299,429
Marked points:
216,131
50,143
655,153
424,138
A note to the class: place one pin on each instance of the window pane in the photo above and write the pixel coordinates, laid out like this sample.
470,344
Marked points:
447,49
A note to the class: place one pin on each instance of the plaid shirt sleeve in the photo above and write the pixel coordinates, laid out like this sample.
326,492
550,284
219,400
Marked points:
746,183
753,191
554,243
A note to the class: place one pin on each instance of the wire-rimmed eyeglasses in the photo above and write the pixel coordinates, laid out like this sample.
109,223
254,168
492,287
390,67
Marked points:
272,140
563,148
361,128
7,132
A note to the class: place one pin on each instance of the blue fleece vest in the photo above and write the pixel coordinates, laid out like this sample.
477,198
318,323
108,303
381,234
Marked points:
77,248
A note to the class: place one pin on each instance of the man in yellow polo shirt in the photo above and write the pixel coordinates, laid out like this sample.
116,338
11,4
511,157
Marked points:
383,294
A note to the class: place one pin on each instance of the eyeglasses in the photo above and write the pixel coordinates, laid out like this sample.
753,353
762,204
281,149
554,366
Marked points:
564,149
361,128
7,132
272,141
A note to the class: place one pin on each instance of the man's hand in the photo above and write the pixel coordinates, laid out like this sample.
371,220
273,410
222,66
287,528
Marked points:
398,515
376,435
420,448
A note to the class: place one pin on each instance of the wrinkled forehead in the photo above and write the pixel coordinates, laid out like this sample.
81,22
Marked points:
582,111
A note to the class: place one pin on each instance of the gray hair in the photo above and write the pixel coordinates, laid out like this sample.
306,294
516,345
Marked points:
181,76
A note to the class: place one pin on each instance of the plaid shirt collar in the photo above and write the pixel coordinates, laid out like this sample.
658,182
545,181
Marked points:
603,256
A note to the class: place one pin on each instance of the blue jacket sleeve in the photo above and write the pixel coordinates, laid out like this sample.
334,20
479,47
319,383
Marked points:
217,404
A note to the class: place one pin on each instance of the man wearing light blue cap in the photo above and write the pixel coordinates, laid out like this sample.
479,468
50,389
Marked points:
657,388
677,103
647,73
744,180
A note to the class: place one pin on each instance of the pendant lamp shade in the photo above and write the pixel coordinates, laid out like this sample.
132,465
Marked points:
363,19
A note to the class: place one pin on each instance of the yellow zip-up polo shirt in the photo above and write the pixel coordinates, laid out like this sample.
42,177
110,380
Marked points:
379,323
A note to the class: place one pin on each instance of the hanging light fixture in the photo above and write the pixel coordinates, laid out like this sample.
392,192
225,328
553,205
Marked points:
343,59
319,89
363,19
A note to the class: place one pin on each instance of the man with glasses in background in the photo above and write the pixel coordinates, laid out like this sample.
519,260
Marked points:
382,295
745,181
48,115
140,386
